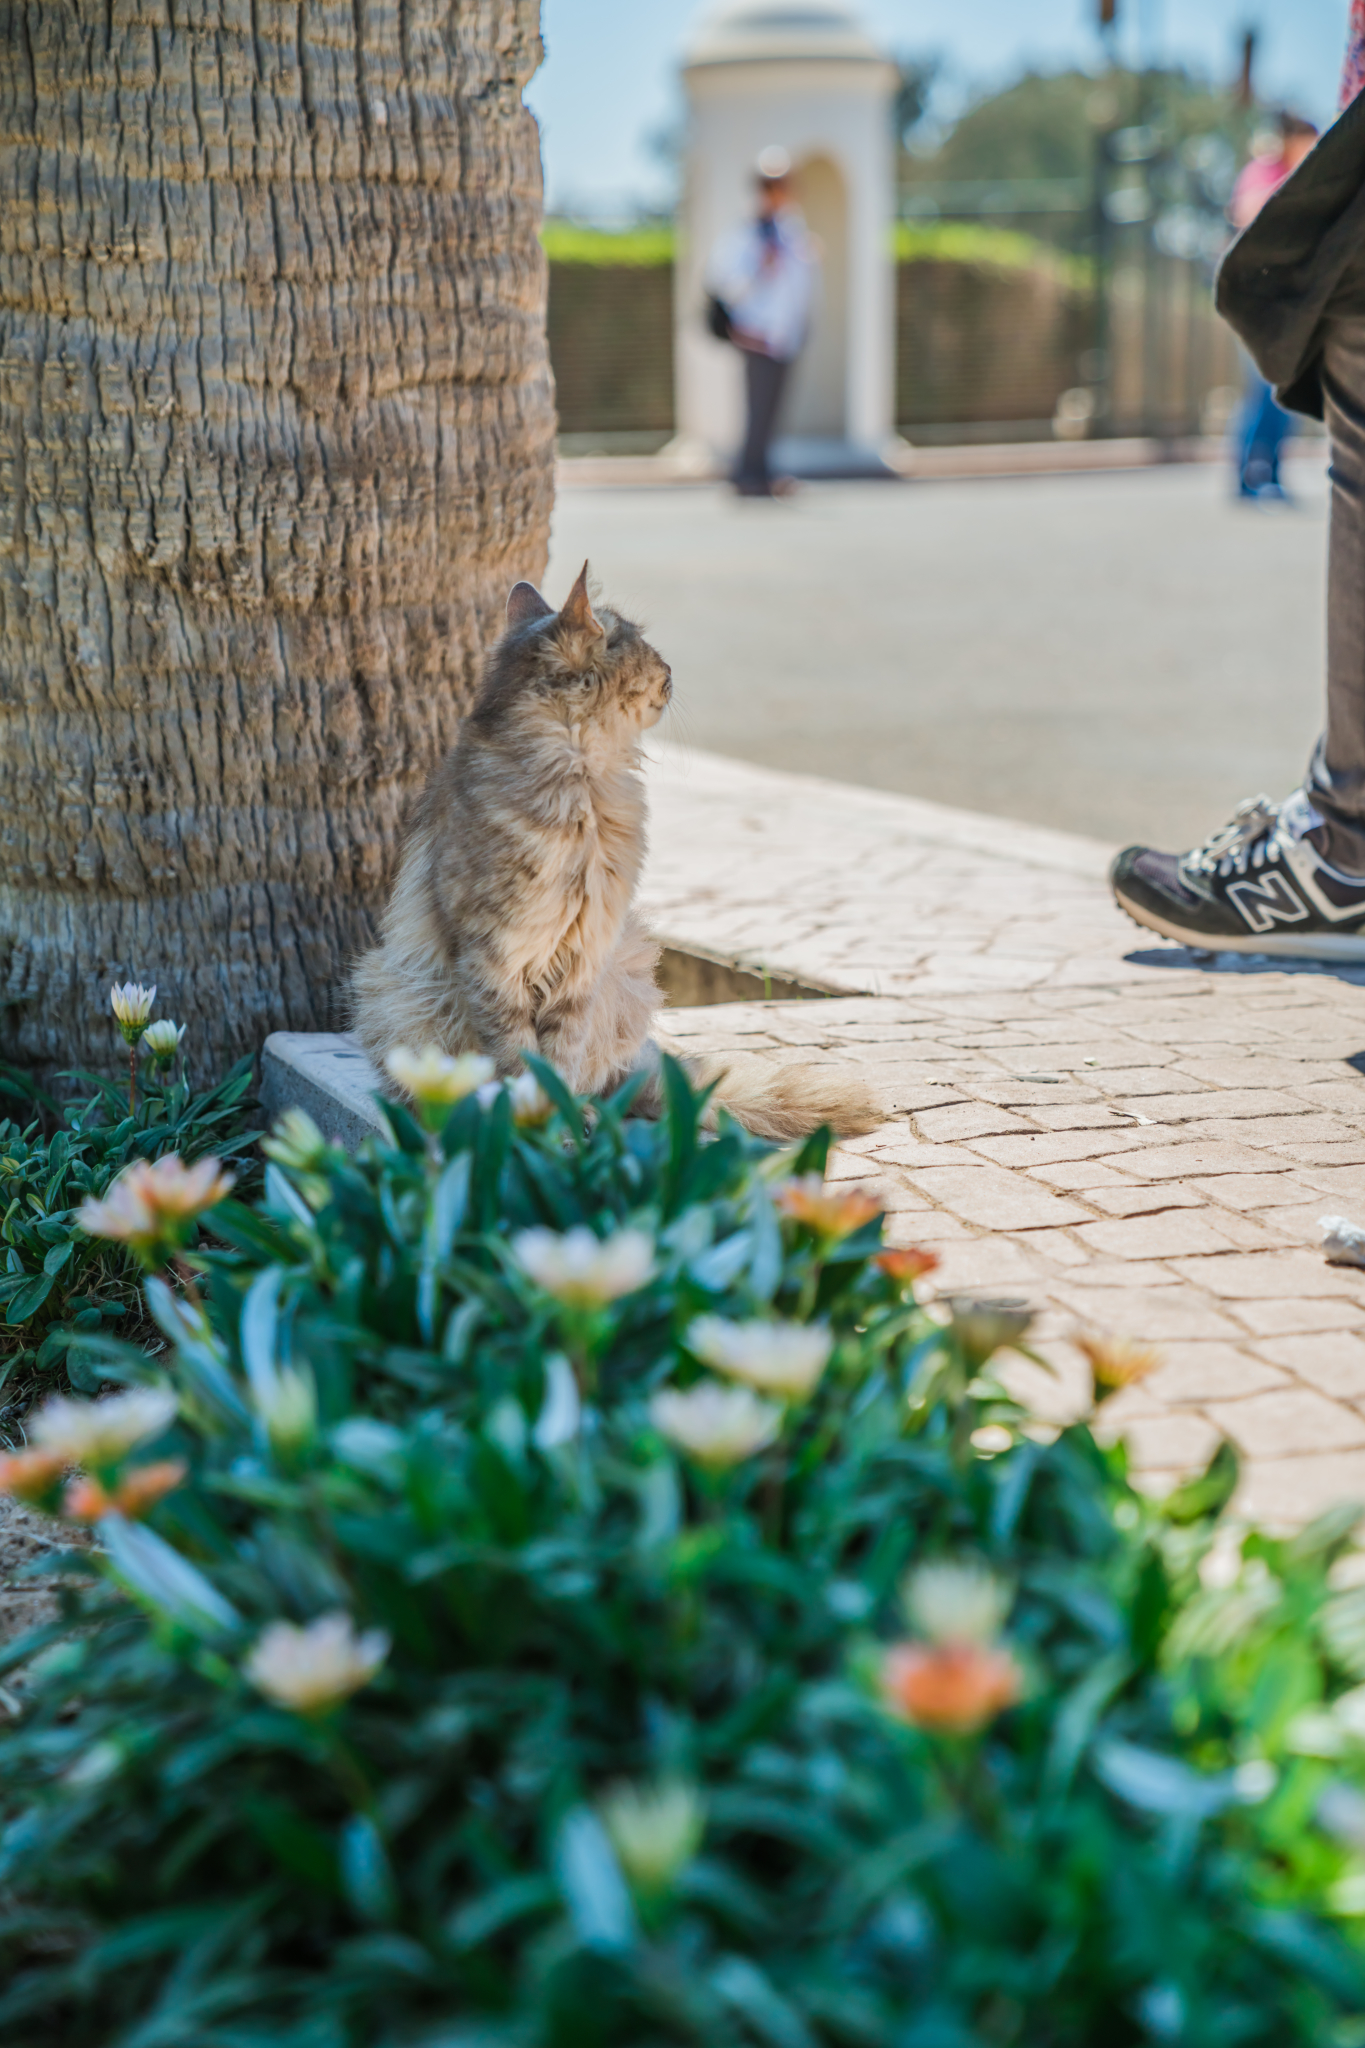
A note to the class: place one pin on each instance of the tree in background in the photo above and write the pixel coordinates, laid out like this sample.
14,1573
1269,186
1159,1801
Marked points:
276,434
1043,126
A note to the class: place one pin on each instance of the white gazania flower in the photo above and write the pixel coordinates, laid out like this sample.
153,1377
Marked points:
132,1006
314,1668
784,1359
718,1426
155,1198
530,1103
162,1040
581,1269
957,1601
102,1432
436,1078
655,1830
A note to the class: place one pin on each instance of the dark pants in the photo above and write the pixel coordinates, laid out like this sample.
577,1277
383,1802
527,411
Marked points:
764,382
1336,779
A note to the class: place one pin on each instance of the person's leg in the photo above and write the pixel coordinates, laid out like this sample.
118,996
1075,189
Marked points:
1336,778
1254,389
1265,435
1289,878
751,469
763,382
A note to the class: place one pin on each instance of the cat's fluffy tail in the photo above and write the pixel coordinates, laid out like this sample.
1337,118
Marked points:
781,1100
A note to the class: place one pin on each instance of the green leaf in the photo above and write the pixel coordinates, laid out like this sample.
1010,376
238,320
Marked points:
1209,1493
366,1876
516,1898
300,1848
591,1882
28,1299
751,1994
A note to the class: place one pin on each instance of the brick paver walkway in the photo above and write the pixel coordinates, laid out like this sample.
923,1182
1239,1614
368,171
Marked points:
1134,1140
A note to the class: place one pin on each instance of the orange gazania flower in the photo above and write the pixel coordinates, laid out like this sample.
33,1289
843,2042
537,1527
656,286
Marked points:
907,1266
1117,1361
949,1688
86,1500
31,1475
826,1212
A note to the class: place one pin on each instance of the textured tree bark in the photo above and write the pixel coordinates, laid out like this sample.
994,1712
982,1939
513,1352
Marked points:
276,435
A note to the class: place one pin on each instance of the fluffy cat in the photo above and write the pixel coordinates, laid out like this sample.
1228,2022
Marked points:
512,926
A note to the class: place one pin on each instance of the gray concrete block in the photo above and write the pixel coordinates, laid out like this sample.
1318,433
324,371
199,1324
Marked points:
326,1074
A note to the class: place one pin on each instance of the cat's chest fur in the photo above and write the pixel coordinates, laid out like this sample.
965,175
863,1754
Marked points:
579,836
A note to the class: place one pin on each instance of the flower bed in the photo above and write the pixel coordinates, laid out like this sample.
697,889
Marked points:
58,1283
559,1587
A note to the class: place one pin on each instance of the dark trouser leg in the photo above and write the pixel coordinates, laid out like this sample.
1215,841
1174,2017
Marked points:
1336,779
763,383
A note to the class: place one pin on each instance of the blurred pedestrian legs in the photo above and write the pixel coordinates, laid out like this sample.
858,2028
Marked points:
1263,427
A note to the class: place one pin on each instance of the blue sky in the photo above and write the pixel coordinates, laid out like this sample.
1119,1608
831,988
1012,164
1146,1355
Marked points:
609,78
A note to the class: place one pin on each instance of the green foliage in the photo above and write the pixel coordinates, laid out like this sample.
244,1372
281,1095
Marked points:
1045,124
1135,1852
648,247
58,1285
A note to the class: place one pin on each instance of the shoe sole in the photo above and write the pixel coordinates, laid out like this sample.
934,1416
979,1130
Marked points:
1279,945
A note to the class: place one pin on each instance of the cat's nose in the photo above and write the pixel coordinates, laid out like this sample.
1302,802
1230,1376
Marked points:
668,684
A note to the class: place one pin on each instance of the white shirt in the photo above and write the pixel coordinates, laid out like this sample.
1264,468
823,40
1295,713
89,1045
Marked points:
765,280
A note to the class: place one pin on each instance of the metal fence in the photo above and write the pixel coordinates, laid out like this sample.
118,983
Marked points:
1137,347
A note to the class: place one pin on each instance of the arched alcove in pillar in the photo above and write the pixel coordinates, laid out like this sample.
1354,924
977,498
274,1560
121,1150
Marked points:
819,396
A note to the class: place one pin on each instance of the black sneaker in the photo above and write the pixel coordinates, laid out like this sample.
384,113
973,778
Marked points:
1257,886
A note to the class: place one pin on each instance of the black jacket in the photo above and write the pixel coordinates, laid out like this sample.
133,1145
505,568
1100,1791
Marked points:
1304,250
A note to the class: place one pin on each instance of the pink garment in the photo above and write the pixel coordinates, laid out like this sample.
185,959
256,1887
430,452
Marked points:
1255,183
1353,72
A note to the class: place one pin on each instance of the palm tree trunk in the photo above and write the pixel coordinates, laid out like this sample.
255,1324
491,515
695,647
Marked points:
276,435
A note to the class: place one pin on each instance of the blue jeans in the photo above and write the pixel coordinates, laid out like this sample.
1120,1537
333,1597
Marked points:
1262,430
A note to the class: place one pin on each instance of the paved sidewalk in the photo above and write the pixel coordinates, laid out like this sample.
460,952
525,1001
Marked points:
1112,654
1135,1139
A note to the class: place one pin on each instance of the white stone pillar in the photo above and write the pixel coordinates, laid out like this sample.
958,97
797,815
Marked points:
801,74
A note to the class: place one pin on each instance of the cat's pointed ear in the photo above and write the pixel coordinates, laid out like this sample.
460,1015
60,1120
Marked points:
577,612
524,602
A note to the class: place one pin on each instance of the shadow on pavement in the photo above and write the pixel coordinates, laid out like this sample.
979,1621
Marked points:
1187,957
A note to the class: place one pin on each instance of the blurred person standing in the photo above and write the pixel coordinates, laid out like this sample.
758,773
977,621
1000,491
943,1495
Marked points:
1262,425
1288,878
761,280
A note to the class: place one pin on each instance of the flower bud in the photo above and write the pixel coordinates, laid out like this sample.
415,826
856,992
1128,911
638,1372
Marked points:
655,1830
162,1041
289,1409
296,1142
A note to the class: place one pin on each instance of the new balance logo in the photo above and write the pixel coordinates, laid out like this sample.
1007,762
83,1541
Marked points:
1268,902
